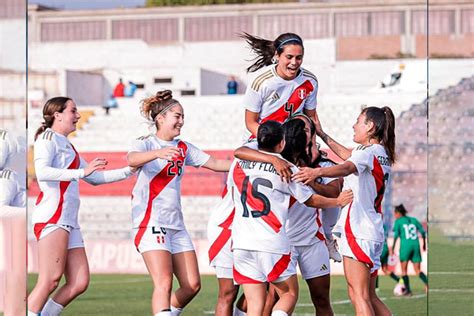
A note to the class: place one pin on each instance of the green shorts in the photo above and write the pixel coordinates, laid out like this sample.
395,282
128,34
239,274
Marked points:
410,253
384,256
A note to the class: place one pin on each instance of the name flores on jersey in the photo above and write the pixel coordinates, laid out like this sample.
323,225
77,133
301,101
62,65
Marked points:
263,166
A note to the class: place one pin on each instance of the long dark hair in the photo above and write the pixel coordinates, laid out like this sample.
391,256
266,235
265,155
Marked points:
384,128
157,104
53,105
295,149
265,49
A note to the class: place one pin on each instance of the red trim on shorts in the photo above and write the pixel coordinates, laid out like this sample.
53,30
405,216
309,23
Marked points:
279,268
374,274
351,240
157,184
242,279
271,219
63,185
223,237
281,114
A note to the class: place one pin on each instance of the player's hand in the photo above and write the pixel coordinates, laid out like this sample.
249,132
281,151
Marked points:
134,169
345,197
96,164
283,168
168,153
305,175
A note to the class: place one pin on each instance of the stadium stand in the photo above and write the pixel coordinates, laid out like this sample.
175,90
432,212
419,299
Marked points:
451,153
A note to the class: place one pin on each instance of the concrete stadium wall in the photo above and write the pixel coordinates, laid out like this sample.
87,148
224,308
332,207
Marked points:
13,36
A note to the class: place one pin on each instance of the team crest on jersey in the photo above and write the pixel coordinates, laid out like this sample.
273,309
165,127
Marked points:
302,94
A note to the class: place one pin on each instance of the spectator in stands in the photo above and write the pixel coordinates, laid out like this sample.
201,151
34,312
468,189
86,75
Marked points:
119,89
366,169
160,234
58,169
130,89
232,85
111,103
407,229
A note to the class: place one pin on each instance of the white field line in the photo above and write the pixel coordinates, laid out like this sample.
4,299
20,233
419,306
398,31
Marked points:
450,273
343,302
451,290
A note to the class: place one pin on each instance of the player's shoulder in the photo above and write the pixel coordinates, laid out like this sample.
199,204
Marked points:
363,147
3,134
261,77
47,135
7,174
145,137
308,74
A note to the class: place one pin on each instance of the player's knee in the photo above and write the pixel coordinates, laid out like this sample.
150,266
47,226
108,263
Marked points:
320,299
80,286
228,295
195,287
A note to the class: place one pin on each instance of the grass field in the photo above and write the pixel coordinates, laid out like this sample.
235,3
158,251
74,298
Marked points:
451,276
130,295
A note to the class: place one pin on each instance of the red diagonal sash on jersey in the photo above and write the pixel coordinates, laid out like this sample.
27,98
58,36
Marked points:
378,175
356,250
63,185
256,204
292,105
157,184
319,235
223,237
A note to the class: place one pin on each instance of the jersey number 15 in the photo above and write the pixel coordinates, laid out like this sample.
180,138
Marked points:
257,195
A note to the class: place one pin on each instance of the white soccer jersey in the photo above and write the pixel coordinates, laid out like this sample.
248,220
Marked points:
13,154
362,218
261,201
11,193
58,168
220,222
156,197
304,226
275,98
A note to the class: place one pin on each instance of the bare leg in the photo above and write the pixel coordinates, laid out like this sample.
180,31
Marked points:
160,267
255,295
379,307
52,256
226,298
358,279
15,297
288,293
319,288
186,269
77,277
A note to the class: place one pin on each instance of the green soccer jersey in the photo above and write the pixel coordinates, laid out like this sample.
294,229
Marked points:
407,228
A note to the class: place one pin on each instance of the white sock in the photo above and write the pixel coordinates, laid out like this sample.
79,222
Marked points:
167,313
238,312
51,308
176,311
30,313
279,313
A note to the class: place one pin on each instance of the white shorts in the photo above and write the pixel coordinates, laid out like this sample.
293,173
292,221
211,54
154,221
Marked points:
362,250
224,273
75,235
162,238
251,267
313,260
220,252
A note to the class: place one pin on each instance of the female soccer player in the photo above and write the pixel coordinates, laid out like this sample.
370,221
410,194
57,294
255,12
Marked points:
360,225
160,234
304,227
408,228
260,244
280,86
55,216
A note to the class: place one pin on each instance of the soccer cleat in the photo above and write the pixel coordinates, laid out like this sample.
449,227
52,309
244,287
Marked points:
332,248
